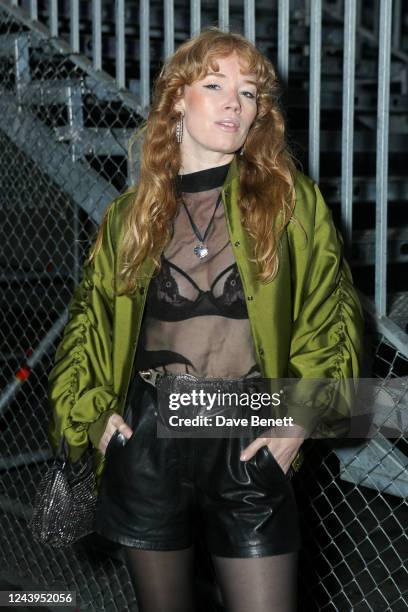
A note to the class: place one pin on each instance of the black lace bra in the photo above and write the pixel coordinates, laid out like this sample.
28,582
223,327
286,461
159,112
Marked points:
164,302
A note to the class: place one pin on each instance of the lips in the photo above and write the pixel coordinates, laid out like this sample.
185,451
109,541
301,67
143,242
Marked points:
232,123
228,126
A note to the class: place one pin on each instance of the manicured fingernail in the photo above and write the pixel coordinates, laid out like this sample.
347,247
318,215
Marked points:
243,457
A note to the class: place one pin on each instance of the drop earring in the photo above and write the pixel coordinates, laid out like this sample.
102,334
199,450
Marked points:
179,129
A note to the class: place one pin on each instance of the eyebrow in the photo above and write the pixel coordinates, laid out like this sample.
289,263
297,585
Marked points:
219,74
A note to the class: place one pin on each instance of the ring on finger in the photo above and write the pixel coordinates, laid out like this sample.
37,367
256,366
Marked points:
121,438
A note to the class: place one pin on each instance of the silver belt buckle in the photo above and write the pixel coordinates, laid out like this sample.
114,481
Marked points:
149,376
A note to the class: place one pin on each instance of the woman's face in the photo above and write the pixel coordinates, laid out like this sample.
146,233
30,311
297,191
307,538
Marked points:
218,112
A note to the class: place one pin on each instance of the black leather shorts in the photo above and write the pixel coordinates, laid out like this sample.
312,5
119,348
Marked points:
155,492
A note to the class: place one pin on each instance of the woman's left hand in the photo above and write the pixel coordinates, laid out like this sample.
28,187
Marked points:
284,449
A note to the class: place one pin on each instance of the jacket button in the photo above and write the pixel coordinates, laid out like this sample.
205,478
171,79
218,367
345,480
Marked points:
141,290
250,297
261,351
237,243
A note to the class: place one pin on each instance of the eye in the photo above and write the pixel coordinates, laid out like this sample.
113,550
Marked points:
250,96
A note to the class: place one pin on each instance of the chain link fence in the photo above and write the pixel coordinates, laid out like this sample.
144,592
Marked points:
63,158
354,511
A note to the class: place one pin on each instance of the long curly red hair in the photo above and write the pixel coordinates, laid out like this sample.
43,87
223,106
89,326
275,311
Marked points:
267,166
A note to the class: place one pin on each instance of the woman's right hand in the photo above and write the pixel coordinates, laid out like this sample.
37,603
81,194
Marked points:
115,422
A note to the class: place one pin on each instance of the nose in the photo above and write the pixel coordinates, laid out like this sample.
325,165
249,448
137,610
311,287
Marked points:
233,101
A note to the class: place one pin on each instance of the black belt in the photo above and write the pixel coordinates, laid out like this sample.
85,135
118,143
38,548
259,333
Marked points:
152,377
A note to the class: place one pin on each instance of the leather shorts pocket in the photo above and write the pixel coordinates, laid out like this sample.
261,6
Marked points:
268,462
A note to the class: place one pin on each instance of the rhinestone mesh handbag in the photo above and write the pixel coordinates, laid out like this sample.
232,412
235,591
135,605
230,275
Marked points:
65,502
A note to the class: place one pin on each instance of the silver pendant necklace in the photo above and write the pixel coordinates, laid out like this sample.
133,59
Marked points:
201,249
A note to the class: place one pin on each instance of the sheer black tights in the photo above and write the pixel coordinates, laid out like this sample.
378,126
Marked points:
261,584
164,581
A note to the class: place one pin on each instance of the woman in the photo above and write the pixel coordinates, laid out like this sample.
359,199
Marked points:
223,263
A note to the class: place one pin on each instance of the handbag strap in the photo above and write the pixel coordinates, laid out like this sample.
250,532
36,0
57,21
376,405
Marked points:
62,459
62,453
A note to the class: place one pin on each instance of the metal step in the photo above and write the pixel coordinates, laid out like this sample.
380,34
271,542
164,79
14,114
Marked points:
363,102
396,124
376,464
363,141
9,41
364,189
398,305
363,252
75,178
56,91
48,92
96,141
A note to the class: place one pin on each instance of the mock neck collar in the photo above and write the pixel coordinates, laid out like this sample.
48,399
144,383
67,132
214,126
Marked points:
202,180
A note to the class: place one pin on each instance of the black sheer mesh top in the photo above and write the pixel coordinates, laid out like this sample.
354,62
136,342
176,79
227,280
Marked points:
196,319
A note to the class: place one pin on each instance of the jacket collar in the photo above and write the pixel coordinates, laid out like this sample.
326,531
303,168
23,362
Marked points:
233,173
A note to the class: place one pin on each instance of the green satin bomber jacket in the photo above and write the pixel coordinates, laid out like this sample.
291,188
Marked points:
306,323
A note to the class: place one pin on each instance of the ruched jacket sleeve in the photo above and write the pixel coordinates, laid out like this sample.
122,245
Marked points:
80,384
327,331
